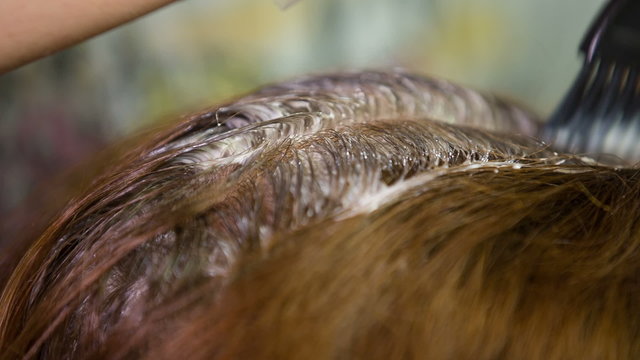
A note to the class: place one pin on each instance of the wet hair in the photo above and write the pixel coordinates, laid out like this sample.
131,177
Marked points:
375,215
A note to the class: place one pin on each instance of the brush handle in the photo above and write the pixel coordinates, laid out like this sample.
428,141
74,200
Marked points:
31,29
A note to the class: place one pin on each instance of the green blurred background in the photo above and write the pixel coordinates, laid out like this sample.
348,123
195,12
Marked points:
58,111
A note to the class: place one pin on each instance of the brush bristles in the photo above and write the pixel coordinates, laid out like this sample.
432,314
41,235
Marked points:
599,115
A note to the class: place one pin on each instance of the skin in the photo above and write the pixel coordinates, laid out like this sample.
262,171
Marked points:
32,29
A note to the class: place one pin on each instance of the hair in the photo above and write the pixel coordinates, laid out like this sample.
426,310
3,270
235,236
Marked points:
374,215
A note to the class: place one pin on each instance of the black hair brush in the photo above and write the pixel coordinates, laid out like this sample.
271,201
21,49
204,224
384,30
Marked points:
601,112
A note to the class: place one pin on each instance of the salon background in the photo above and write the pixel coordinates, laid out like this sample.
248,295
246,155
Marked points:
57,112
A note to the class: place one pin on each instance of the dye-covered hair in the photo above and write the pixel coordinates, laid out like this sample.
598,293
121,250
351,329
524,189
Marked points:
374,215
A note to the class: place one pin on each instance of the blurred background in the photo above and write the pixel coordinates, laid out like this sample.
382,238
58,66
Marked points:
59,111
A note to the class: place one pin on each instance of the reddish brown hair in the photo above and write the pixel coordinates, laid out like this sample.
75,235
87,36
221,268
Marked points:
370,215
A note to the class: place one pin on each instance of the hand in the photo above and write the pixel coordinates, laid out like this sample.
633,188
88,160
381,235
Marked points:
31,29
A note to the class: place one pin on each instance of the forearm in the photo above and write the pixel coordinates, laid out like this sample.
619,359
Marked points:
31,29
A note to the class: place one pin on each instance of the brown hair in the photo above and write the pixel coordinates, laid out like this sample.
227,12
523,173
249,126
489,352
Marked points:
369,215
